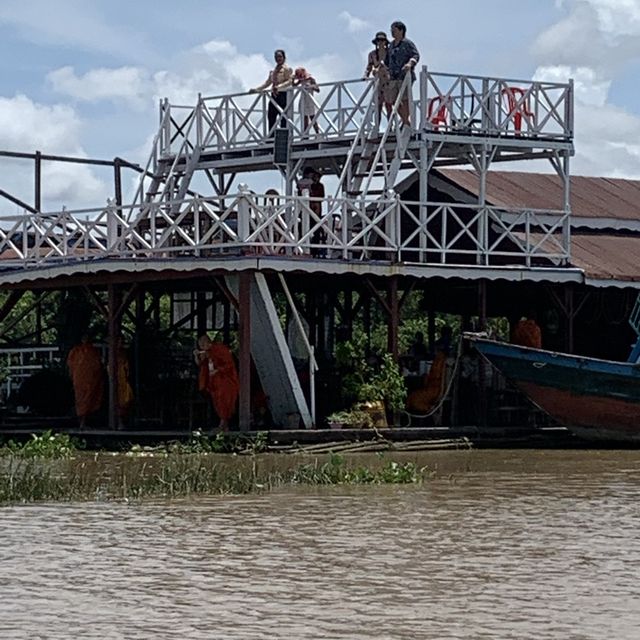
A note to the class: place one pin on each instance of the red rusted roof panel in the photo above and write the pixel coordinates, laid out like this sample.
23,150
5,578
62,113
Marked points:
590,197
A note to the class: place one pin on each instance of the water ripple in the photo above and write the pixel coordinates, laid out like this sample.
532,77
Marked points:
509,546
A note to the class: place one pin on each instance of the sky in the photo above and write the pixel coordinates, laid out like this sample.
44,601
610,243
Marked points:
84,78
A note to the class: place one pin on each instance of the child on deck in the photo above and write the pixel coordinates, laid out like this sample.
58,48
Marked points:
309,86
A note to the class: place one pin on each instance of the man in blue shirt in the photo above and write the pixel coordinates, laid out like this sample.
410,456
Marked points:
402,57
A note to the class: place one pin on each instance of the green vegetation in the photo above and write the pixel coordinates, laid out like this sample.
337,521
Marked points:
366,381
46,445
59,472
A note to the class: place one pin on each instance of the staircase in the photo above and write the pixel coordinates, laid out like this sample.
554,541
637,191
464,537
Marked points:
272,357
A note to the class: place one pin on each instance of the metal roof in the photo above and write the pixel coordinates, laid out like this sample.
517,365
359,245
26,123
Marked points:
607,260
606,205
591,198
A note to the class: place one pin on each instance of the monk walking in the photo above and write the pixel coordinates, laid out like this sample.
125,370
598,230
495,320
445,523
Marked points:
219,377
85,367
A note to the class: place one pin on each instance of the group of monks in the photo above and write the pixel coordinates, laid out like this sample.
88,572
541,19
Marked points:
217,377
87,376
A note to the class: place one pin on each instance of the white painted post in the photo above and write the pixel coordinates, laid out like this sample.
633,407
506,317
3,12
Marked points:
244,213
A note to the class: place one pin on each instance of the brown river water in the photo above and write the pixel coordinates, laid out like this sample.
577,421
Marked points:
500,544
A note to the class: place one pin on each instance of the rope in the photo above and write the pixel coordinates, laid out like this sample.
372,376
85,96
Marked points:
445,394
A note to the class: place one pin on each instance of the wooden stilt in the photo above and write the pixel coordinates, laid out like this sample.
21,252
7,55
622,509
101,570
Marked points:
394,319
113,304
244,326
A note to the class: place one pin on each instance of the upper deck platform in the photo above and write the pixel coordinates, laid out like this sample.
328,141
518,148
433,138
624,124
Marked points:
231,131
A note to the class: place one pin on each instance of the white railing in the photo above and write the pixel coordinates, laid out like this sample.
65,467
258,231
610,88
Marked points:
496,106
390,230
442,102
19,363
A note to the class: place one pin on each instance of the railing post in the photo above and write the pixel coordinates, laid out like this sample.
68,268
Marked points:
244,214
305,224
166,143
25,238
424,97
198,116
195,209
344,222
112,226
65,233
569,110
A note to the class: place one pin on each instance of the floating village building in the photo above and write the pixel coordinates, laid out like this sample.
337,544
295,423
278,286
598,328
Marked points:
418,208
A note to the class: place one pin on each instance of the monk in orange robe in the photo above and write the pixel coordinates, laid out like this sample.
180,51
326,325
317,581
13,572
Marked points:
85,367
423,400
219,377
125,392
527,334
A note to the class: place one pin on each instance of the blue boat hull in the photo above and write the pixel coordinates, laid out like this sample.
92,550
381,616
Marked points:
596,399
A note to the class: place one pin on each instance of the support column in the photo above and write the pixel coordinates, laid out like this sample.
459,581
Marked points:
394,319
140,324
570,314
113,304
482,367
244,326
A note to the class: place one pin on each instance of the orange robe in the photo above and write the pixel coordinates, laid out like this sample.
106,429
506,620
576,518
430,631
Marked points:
423,400
125,392
527,334
85,368
223,384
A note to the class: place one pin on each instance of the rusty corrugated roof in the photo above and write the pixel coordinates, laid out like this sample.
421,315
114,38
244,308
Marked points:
590,197
607,257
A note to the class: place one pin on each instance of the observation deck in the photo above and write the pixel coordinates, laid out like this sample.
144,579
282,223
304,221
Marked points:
456,120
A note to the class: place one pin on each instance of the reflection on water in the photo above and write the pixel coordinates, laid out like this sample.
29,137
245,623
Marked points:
500,545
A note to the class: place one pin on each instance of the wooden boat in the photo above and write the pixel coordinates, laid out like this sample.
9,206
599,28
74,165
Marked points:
595,399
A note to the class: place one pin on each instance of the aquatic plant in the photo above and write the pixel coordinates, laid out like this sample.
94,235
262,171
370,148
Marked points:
104,476
45,445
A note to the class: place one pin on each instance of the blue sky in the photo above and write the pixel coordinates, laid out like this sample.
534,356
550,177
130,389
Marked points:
84,77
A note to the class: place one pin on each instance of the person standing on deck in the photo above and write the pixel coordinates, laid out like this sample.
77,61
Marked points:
218,376
278,80
376,68
85,368
402,58
303,79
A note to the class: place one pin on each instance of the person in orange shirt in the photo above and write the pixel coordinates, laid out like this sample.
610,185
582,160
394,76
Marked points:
85,368
218,376
527,333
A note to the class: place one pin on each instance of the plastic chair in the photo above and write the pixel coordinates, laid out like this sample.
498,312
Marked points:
518,108
439,105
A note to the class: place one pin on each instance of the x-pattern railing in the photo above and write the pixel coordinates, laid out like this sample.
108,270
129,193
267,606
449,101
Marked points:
239,120
497,106
454,103
333,228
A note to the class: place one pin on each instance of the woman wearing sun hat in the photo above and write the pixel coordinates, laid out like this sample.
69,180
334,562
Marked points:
377,68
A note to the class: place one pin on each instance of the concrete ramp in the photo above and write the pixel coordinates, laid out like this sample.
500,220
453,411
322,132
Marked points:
271,355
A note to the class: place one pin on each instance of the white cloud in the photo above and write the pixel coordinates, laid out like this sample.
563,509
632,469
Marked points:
129,84
592,43
354,24
28,126
74,23
601,34
589,86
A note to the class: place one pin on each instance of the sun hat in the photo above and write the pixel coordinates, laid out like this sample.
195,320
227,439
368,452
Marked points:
381,35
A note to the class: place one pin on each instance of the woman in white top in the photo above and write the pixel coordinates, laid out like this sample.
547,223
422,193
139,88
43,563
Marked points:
303,79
